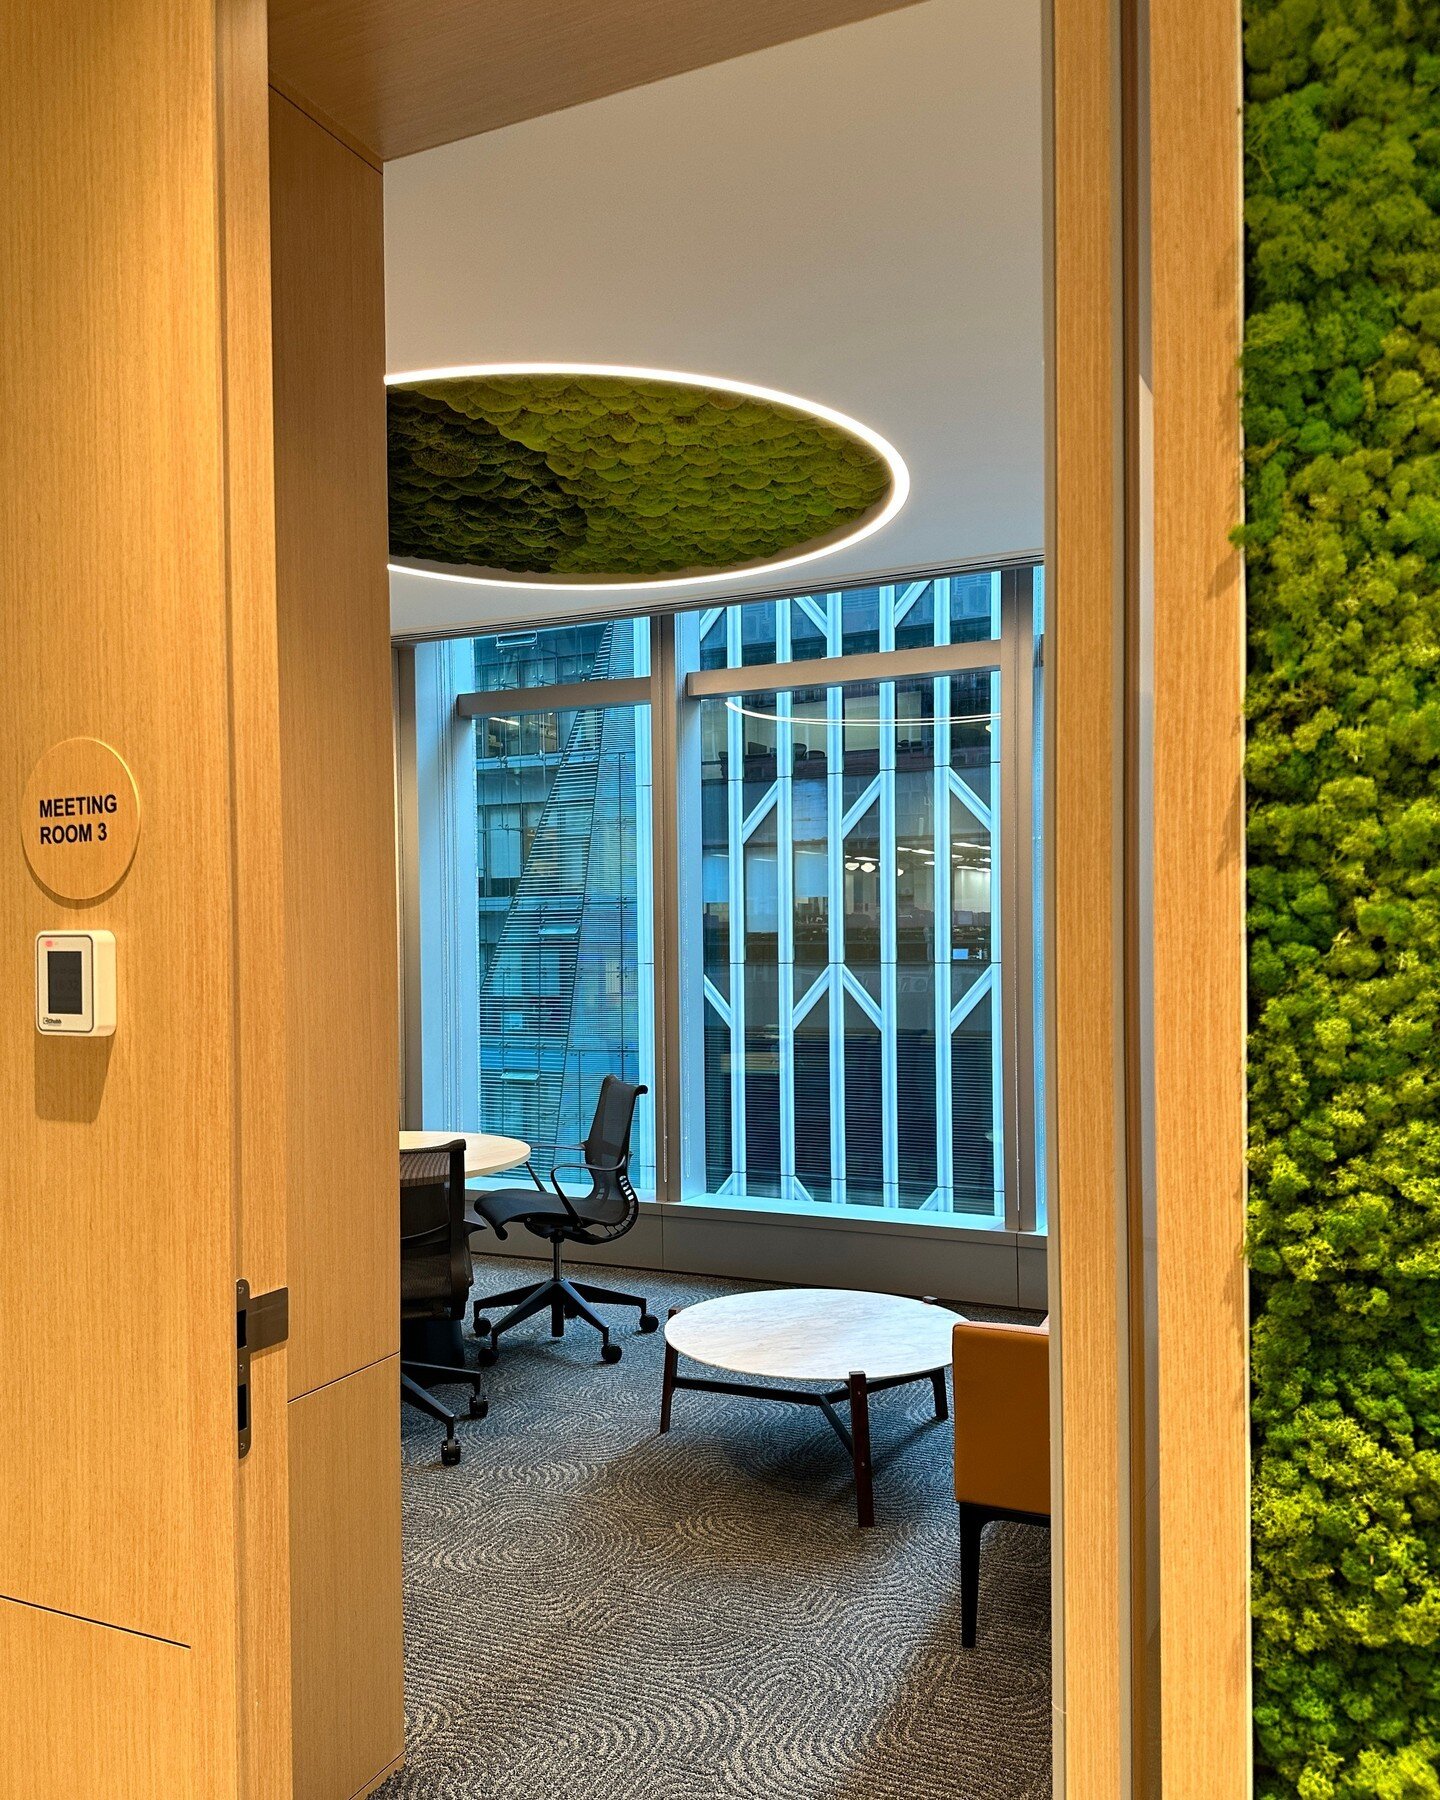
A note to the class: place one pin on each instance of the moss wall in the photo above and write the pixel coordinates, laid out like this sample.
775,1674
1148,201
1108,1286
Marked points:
613,476
1342,421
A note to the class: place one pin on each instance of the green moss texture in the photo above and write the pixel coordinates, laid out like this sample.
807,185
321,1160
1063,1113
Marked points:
1342,423
597,476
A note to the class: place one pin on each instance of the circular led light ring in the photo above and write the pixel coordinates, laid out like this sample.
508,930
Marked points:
852,724
886,451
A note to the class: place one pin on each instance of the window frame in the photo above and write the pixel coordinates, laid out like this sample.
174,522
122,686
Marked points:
673,690
1015,656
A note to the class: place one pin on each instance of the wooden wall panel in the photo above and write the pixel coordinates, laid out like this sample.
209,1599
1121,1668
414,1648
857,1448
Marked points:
402,75
1084,651
1202,1432
341,981
336,735
91,1710
113,624
348,1632
1149,943
116,1382
134,582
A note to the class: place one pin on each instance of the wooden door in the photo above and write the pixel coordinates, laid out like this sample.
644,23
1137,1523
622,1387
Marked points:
336,734
142,1563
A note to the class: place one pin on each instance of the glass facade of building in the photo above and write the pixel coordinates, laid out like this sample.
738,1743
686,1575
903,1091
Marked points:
852,953
566,954
849,1022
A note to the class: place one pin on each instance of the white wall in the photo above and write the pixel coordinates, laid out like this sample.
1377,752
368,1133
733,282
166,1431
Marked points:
854,217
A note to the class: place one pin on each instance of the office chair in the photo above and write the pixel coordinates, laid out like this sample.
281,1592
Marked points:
1002,1440
604,1214
435,1274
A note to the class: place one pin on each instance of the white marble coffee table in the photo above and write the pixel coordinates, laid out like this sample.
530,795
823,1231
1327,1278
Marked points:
856,1343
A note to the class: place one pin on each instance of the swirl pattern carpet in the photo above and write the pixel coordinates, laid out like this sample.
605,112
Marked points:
596,1612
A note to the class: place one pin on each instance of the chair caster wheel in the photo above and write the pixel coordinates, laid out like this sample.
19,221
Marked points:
610,1353
478,1407
482,1326
450,1453
648,1322
485,1355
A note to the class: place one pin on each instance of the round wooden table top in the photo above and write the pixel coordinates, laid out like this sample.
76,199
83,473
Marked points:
485,1152
815,1334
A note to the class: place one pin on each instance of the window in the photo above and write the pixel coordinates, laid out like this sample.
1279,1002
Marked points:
847,800
565,961
856,885
851,945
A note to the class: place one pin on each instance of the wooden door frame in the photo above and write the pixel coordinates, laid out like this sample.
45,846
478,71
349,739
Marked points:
1145,646
1145,654
258,1144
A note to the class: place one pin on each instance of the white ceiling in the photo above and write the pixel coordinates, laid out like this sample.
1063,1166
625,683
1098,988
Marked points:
855,217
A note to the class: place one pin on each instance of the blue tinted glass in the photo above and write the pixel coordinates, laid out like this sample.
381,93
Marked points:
542,658
851,964
944,609
852,956
563,815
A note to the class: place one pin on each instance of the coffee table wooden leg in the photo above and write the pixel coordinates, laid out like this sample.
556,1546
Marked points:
860,1447
937,1376
667,1385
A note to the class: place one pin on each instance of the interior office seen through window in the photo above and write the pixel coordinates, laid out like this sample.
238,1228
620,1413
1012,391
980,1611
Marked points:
807,830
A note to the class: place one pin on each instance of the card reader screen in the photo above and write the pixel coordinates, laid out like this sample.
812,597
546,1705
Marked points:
66,982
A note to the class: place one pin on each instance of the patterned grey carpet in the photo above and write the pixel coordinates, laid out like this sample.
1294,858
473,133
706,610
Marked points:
595,1612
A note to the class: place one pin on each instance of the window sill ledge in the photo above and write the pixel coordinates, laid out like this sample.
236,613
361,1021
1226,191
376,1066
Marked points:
772,1212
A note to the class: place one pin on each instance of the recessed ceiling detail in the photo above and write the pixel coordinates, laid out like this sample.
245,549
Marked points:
592,476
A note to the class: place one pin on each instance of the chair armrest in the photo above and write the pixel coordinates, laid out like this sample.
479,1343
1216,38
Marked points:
555,1170
594,1168
560,1193
617,1167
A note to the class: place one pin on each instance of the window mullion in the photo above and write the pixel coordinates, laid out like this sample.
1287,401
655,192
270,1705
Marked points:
1013,813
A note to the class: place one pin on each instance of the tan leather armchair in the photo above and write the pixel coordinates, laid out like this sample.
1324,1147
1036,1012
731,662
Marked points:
1002,1440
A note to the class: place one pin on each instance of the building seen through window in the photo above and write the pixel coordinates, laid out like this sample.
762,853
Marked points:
848,979
563,825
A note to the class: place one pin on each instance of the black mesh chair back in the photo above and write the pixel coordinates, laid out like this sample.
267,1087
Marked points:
612,1205
435,1266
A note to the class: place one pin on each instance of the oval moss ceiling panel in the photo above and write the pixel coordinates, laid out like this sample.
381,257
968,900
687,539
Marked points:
591,477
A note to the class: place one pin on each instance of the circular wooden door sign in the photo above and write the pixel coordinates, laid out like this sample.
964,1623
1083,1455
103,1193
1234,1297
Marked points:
80,819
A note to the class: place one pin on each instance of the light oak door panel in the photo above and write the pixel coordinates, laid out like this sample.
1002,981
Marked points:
115,1387
342,1046
104,1711
348,1627
336,737
124,543
1085,740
